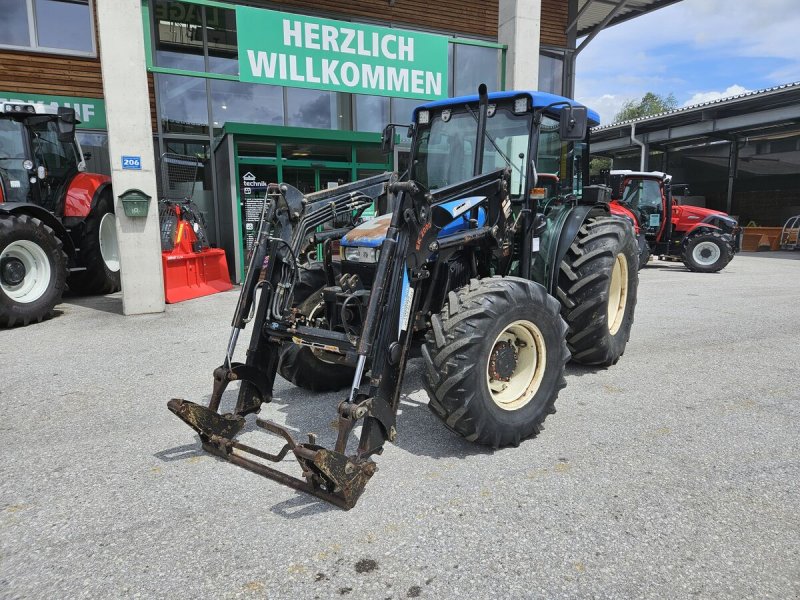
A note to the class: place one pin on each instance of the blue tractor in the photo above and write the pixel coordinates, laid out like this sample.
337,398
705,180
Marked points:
493,280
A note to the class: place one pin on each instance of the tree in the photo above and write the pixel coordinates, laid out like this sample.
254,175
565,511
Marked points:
650,104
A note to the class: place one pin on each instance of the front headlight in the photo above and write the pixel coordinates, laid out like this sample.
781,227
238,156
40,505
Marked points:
361,255
351,254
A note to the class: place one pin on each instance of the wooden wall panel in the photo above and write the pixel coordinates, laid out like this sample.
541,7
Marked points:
50,74
460,17
554,23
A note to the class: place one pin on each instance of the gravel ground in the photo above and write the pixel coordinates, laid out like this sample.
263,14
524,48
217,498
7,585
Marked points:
672,474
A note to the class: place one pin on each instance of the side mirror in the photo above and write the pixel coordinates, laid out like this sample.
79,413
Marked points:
387,139
66,124
573,124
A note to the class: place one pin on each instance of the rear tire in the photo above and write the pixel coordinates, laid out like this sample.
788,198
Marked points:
33,270
707,253
597,284
300,365
99,252
495,359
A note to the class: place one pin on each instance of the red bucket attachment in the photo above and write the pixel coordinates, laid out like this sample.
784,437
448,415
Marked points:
194,274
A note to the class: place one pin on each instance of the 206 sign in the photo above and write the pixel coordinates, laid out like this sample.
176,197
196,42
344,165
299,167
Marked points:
132,162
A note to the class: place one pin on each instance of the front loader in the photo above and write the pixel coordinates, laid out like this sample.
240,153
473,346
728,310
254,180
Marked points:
462,268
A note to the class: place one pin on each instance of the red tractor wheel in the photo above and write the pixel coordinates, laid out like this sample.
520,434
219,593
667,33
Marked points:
99,252
707,253
33,270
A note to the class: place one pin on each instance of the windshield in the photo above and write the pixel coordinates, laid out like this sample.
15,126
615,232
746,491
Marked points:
12,155
642,192
445,152
59,158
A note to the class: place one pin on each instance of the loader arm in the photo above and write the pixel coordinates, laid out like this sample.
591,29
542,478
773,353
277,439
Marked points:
384,341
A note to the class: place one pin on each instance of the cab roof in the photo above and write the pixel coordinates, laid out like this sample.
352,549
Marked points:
538,100
642,174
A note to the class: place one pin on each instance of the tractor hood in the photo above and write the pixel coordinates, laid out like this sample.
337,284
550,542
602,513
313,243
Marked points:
371,234
689,211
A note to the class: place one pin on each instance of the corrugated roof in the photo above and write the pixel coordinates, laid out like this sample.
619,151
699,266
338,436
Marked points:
703,105
591,13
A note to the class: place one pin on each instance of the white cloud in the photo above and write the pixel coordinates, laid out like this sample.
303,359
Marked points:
655,52
700,97
606,105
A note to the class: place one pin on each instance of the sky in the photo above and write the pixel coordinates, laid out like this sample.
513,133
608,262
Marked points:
698,50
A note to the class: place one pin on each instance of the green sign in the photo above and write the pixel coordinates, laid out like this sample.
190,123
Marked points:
91,112
298,51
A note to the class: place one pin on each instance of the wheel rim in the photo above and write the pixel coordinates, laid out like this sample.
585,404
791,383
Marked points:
109,245
617,294
516,365
706,253
37,271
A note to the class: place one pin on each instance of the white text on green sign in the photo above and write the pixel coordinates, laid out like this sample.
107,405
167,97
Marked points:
298,51
91,112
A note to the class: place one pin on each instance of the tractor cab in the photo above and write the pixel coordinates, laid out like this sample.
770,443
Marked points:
647,197
39,155
538,139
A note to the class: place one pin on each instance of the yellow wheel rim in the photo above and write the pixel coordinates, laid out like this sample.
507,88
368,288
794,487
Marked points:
521,349
617,294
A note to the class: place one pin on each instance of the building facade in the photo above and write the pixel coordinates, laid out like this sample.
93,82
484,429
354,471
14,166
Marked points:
258,100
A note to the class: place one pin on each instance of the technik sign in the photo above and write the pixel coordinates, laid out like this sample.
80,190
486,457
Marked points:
298,51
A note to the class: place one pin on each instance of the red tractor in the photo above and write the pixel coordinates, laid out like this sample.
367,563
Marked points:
57,223
704,240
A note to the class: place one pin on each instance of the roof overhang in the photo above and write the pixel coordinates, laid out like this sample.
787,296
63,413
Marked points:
595,15
762,113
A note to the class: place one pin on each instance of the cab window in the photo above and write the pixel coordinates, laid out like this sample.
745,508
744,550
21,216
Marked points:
59,158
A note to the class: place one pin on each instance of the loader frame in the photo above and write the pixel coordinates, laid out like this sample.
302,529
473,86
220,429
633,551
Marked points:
407,275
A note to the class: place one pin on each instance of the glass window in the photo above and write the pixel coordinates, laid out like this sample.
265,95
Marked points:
12,156
183,104
372,112
223,53
510,134
317,109
317,152
549,152
551,70
64,25
446,150
178,35
566,160
475,65
261,149
402,109
95,151
14,24
233,101
200,190
370,154
58,158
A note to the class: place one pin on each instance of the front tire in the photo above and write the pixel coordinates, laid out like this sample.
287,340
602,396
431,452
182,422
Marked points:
495,360
33,270
597,284
707,253
99,252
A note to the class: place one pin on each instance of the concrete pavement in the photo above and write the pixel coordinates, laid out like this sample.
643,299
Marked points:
672,474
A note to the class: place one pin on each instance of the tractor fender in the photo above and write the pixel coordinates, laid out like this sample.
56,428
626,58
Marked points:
701,228
83,193
562,228
45,216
